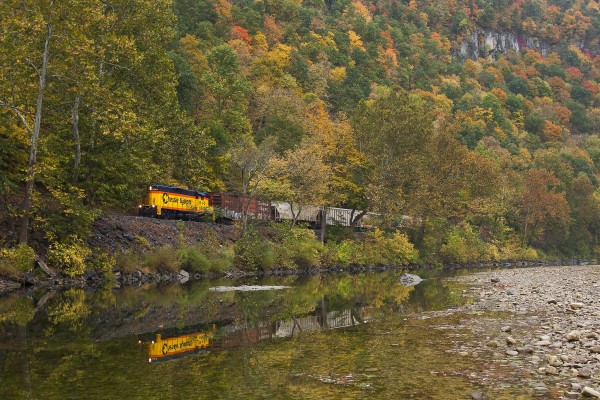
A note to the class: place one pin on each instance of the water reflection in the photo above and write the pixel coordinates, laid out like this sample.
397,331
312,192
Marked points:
166,347
84,344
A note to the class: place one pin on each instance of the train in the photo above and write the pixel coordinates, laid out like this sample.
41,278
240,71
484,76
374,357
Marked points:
171,202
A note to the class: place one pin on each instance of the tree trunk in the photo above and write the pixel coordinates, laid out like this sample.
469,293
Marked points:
30,180
354,220
323,223
75,115
294,216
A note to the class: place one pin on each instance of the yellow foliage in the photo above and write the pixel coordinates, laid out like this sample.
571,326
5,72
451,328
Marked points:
361,9
338,74
326,41
259,41
525,154
355,40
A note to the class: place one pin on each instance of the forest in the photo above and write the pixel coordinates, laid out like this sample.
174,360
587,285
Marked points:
469,126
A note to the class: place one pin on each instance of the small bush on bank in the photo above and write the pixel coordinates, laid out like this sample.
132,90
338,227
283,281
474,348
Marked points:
164,258
463,245
103,264
515,251
298,248
129,261
194,260
339,254
379,249
17,259
69,257
253,253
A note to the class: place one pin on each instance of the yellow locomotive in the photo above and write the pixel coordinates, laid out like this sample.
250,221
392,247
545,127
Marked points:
177,203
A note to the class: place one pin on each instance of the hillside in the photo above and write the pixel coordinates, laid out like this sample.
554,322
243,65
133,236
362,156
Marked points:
471,126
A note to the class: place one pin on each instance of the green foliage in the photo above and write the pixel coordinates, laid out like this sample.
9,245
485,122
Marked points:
166,93
103,264
254,253
463,245
297,248
164,258
198,259
70,256
380,249
17,259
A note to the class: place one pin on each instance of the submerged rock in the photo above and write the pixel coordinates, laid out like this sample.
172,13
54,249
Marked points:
410,280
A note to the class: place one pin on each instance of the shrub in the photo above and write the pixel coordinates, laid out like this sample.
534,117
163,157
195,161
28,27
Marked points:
223,261
69,257
20,258
463,245
253,253
103,264
129,261
377,249
298,247
193,260
339,254
164,258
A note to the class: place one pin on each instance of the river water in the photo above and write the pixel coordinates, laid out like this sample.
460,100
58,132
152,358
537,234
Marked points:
318,337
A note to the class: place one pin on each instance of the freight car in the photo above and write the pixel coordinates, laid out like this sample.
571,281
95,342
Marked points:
176,203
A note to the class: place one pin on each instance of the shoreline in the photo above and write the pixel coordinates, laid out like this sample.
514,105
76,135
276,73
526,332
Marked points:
137,278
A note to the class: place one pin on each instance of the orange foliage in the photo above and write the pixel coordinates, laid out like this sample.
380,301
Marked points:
239,33
360,9
562,114
500,94
552,132
273,30
561,89
441,42
591,86
575,73
223,7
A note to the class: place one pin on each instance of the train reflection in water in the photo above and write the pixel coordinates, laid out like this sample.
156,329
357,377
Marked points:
175,346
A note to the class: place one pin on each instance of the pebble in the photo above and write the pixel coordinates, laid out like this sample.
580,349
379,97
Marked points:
554,361
550,370
511,340
506,328
576,306
526,350
589,392
585,373
512,352
573,336
572,395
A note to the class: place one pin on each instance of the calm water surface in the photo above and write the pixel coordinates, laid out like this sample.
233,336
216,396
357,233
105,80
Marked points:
324,337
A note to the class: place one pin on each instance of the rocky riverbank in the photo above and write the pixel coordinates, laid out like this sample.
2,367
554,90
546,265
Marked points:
536,327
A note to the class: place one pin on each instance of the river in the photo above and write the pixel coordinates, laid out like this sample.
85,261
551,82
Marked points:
311,337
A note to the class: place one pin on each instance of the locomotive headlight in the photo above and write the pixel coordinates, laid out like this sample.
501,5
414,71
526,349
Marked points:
140,206
150,188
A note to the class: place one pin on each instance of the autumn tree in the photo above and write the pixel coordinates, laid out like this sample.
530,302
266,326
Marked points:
541,204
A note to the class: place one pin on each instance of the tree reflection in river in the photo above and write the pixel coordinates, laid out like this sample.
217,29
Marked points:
309,341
